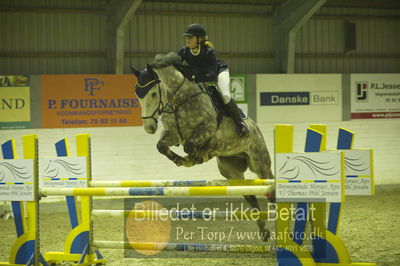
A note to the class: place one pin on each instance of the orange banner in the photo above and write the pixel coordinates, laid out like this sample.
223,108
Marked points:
89,101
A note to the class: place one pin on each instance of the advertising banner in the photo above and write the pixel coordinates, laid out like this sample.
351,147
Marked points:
375,96
15,107
89,101
298,97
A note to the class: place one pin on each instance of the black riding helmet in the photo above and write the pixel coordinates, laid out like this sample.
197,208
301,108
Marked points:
195,30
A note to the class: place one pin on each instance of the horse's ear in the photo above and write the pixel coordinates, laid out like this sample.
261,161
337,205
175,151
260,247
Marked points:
135,71
149,68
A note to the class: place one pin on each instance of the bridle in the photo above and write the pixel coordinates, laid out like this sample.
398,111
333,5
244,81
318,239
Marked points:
161,108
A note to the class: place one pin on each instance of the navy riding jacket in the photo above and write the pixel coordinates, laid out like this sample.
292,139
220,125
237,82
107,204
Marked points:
206,65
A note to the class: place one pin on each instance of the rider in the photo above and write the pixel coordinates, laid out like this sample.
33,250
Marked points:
207,67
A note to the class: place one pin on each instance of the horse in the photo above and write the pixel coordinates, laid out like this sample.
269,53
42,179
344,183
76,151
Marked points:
190,119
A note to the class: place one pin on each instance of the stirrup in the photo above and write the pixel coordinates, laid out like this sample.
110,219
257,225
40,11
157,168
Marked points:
242,129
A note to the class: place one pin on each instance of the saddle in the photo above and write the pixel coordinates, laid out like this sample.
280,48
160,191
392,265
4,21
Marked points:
218,103
216,98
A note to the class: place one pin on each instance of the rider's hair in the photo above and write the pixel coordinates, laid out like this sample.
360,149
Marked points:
204,41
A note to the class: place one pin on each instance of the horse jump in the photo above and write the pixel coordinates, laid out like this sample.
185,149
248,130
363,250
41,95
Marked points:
283,144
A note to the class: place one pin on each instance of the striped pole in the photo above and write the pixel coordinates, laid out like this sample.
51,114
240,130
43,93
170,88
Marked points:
207,215
180,183
159,191
254,249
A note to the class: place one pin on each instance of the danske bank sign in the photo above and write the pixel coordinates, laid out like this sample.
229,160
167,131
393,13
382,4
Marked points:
285,98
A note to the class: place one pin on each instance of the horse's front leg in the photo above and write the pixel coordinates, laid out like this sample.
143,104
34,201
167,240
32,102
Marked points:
167,140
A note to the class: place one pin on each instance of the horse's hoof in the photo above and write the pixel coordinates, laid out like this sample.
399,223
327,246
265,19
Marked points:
188,164
178,163
178,160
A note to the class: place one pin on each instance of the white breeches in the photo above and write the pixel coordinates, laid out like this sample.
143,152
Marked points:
223,86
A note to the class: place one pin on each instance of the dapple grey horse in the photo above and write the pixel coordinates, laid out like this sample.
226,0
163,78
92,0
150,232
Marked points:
190,119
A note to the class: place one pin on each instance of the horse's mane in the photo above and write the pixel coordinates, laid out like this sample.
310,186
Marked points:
163,60
172,58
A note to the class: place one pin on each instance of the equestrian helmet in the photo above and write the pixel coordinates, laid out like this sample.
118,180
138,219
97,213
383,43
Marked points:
195,30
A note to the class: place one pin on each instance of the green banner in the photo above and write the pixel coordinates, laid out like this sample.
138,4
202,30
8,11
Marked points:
238,88
15,105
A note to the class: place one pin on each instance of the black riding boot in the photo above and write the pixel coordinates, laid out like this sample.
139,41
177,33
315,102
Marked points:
233,111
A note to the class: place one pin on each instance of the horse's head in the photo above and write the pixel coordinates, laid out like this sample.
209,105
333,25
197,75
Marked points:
154,84
149,97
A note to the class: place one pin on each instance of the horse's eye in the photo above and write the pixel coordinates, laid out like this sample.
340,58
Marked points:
153,94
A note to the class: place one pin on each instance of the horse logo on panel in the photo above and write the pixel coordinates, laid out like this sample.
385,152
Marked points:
14,170
58,167
305,166
356,164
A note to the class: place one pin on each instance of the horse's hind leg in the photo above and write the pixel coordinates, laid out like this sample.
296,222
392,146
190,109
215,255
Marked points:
234,168
265,233
260,163
259,159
